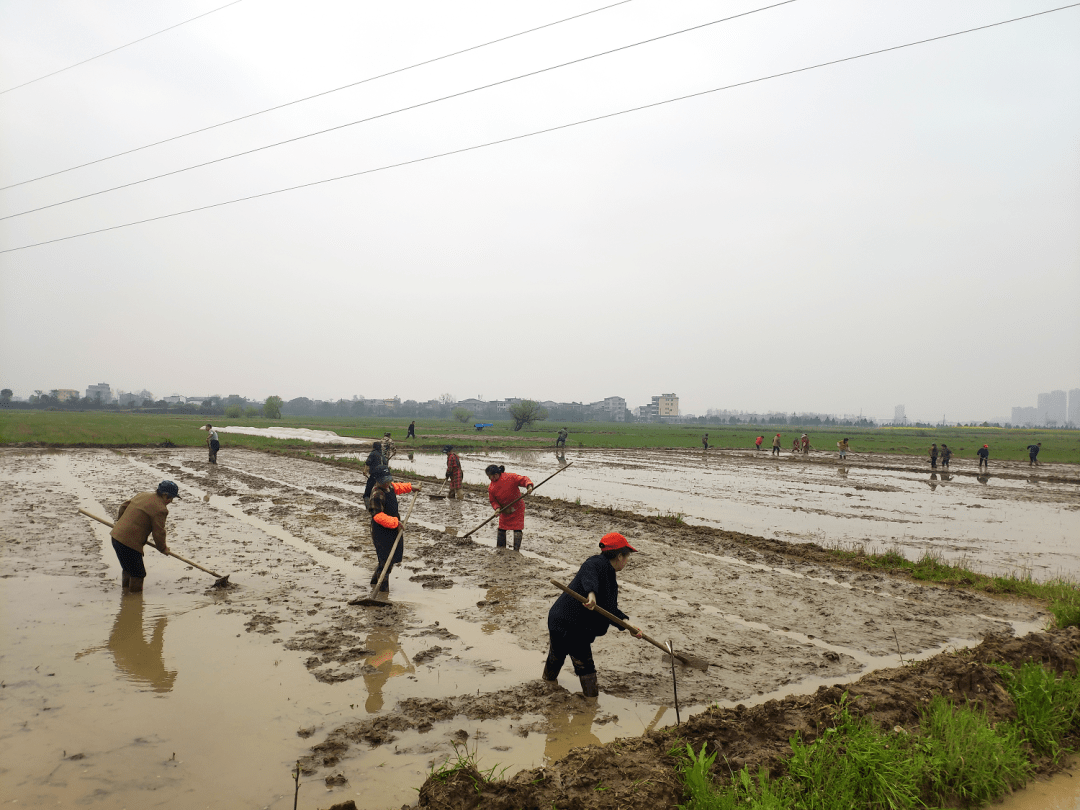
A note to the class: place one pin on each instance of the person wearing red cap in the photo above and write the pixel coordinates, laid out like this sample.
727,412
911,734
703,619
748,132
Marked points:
573,627
984,457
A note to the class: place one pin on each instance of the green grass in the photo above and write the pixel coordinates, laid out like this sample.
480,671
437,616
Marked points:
1062,596
66,428
954,758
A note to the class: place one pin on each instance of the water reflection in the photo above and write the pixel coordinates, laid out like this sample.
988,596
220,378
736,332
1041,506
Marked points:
933,481
380,667
982,479
138,660
571,727
841,471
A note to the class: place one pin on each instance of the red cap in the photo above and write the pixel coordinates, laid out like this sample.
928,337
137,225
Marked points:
986,445
613,541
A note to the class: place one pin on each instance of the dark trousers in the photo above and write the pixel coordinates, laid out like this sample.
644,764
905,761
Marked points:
577,646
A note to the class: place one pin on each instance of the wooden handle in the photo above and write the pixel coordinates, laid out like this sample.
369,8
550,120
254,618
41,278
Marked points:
169,553
609,616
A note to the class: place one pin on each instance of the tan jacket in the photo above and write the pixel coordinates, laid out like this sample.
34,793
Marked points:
140,517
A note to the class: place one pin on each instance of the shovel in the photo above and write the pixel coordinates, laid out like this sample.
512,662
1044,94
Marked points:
373,600
440,495
223,581
518,498
689,660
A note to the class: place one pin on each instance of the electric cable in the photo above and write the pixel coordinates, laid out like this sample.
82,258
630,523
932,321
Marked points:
556,128
319,94
395,112
120,47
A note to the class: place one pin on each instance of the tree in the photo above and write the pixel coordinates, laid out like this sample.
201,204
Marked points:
5,396
526,412
447,399
461,414
251,412
233,411
272,407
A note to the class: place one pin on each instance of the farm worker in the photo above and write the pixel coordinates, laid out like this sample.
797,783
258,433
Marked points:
561,440
795,445
1033,452
758,441
213,443
946,454
705,441
453,472
843,445
805,445
412,431
385,521
388,449
933,456
374,461
137,519
984,457
573,627
502,491
776,445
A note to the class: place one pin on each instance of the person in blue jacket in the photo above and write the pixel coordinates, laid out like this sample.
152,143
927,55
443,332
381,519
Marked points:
573,626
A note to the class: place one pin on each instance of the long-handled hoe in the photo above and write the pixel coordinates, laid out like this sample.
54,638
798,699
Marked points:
223,581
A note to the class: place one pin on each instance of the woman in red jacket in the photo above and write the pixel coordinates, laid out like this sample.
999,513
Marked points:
504,489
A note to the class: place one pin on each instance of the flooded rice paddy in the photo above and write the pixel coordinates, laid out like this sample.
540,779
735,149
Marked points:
190,696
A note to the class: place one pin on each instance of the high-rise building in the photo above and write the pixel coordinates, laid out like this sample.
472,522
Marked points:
1056,410
900,414
1043,408
1074,408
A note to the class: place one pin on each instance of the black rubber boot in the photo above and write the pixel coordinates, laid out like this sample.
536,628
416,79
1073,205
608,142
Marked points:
500,539
551,672
517,541
588,685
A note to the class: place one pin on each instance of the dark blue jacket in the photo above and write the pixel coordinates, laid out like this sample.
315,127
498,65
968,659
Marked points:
568,615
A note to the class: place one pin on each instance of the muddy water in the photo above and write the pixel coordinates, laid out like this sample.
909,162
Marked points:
1014,521
190,696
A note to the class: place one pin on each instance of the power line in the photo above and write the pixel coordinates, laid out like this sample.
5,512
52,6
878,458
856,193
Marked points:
121,47
395,112
319,95
557,128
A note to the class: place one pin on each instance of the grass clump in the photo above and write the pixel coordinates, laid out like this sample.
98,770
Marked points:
1047,706
955,758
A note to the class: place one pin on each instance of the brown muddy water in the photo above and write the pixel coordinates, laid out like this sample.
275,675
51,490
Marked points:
188,696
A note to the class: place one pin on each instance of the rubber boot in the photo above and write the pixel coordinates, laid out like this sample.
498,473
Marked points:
500,539
125,580
589,687
517,541
135,584
375,577
551,672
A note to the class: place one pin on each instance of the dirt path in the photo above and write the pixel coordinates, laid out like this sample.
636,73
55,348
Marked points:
368,698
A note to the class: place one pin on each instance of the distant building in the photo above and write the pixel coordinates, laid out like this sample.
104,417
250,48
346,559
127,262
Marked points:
1025,417
64,394
666,405
1056,411
100,390
1074,408
609,409
900,414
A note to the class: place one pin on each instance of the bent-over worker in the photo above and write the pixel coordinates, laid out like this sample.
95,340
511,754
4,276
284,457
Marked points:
453,473
137,519
573,627
502,491
374,462
385,521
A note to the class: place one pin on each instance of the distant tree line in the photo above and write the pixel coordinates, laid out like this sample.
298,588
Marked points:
231,407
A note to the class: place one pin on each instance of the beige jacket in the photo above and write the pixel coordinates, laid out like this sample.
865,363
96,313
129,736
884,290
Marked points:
140,517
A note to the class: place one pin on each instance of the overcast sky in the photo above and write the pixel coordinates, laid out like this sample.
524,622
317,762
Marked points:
899,229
